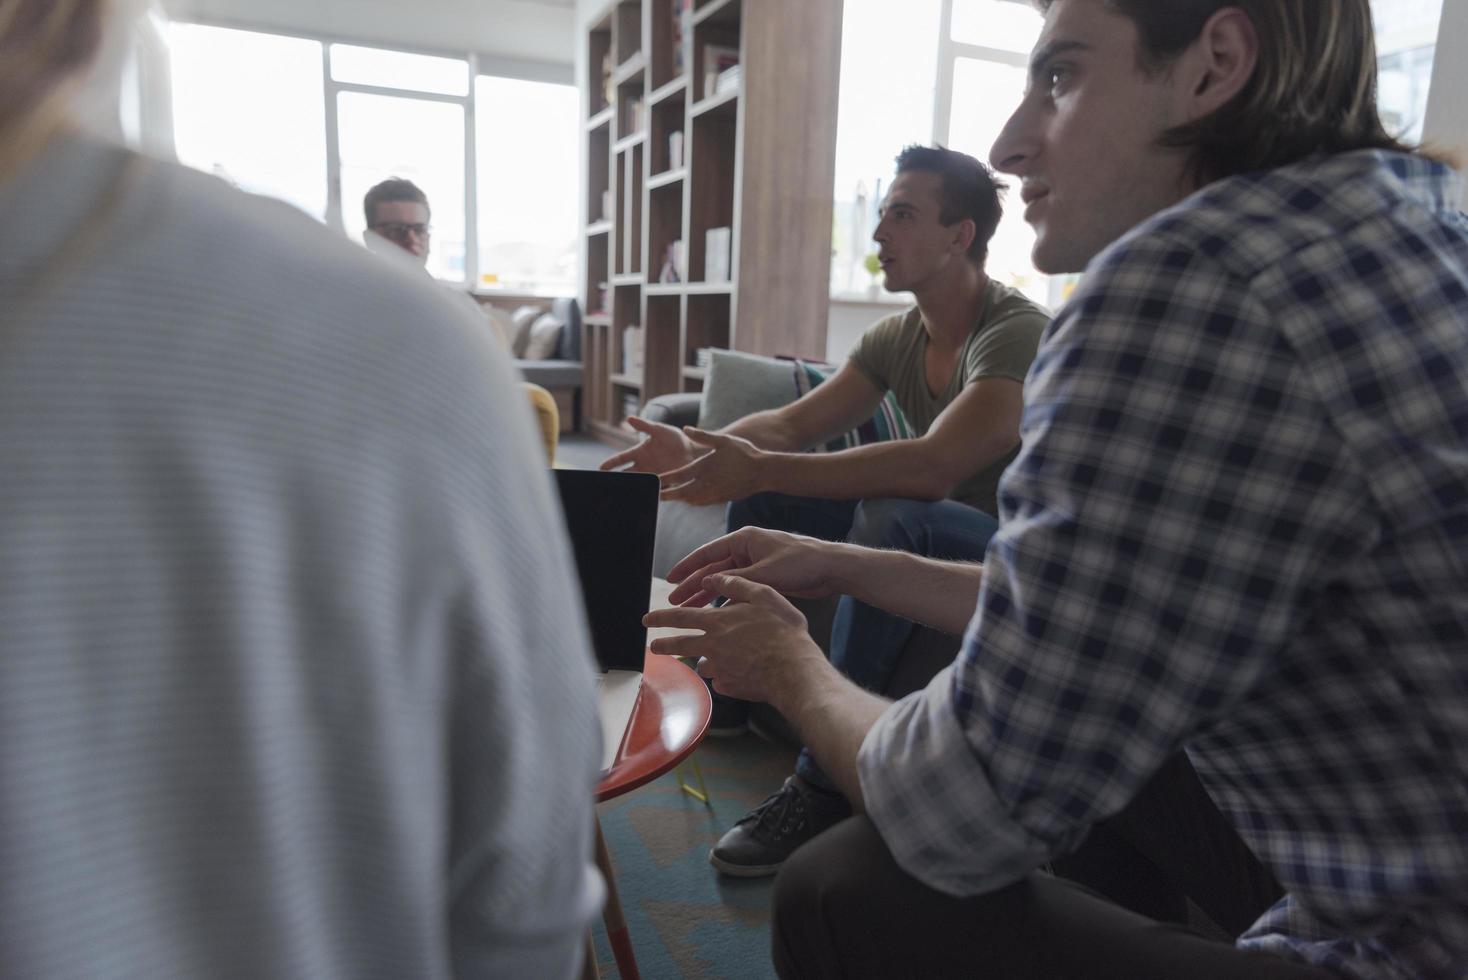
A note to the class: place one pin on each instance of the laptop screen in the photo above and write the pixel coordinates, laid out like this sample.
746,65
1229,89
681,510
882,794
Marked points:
612,518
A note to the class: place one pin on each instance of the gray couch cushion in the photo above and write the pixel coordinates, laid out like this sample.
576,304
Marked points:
739,384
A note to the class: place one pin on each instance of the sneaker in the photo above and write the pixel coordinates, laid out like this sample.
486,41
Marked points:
730,716
759,843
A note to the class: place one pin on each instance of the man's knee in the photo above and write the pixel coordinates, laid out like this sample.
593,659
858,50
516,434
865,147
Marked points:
887,523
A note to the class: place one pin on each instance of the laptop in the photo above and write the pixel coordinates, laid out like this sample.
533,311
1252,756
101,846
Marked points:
612,518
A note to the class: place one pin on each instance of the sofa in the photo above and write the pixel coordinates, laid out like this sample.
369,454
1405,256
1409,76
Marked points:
552,329
736,385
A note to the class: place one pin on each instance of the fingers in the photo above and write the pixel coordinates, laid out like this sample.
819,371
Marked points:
619,460
679,617
715,551
690,590
739,589
703,437
643,425
676,646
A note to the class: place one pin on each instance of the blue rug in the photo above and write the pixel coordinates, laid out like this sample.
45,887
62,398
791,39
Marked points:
686,920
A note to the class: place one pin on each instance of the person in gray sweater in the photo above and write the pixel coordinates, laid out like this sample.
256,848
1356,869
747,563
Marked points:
290,684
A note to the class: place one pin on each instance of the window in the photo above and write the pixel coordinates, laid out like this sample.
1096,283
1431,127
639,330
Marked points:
381,136
250,108
1406,38
527,199
962,75
297,118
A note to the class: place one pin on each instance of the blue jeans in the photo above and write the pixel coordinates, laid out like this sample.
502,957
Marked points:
865,641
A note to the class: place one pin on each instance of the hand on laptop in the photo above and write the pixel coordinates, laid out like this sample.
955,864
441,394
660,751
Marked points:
664,448
791,564
756,647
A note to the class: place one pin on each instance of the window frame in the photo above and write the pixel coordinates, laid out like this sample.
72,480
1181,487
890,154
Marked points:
477,64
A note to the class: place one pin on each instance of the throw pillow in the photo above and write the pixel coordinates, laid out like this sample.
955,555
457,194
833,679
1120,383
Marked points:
523,319
500,325
888,423
545,338
738,384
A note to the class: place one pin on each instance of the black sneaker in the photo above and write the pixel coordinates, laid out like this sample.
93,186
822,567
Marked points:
759,843
730,716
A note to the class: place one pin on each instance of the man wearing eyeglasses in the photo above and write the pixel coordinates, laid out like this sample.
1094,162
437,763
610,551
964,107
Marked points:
397,212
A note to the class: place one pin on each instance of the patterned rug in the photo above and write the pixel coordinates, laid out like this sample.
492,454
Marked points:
687,920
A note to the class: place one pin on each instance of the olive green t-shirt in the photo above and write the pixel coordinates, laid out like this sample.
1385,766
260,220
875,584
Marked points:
1002,345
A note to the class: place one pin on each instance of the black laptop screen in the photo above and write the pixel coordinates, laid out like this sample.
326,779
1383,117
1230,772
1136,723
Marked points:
613,520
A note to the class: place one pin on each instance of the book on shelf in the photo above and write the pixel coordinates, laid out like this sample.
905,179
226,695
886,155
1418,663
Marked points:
682,17
716,254
717,58
631,350
728,80
631,403
675,149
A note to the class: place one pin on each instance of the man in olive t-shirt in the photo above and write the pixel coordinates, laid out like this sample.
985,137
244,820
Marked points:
891,354
956,363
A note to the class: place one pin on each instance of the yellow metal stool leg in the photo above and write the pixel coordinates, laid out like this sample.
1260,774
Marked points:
702,793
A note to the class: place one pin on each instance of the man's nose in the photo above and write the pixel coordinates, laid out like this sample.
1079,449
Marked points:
1015,145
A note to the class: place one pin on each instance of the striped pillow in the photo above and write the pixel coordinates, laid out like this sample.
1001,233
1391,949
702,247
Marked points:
888,422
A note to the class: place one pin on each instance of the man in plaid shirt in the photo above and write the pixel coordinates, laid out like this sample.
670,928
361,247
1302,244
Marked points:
1235,541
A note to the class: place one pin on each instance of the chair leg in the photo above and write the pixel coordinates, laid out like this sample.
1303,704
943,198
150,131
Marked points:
589,970
702,793
612,915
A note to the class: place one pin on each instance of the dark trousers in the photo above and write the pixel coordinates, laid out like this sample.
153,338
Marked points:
843,908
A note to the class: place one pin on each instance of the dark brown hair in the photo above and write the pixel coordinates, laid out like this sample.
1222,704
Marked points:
1313,90
392,189
970,190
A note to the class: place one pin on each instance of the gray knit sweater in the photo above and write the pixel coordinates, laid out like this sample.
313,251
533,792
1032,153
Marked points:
291,679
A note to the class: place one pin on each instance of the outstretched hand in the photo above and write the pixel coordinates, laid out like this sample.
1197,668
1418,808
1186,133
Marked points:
729,468
662,449
755,648
789,563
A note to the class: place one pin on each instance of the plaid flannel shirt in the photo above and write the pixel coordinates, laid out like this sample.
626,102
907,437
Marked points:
1239,524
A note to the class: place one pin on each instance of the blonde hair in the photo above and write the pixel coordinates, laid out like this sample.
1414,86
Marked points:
1313,90
45,47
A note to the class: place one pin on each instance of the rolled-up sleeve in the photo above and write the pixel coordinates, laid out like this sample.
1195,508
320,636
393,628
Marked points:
1179,493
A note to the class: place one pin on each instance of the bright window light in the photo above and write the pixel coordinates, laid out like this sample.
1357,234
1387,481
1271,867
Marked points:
985,93
1406,39
528,172
385,136
399,69
250,108
1006,25
881,110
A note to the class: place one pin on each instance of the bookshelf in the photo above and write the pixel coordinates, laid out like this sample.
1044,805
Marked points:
703,116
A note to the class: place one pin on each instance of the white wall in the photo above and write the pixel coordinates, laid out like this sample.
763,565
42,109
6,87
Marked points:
516,37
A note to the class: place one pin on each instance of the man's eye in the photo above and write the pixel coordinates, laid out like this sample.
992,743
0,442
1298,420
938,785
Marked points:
1056,77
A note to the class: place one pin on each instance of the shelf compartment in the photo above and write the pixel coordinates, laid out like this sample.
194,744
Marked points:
632,68
718,12
666,178
627,29
661,358
598,228
707,325
600,119
676,89
725,103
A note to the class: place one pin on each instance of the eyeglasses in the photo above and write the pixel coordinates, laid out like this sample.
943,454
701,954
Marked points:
398,230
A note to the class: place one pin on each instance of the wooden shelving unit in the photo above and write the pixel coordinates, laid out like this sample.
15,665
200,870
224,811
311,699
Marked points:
757,157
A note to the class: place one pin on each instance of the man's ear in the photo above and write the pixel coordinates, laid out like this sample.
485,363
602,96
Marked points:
964,234
1220,62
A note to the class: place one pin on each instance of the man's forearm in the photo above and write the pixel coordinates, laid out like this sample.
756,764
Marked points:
769,431
900,468
832,717
940,594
